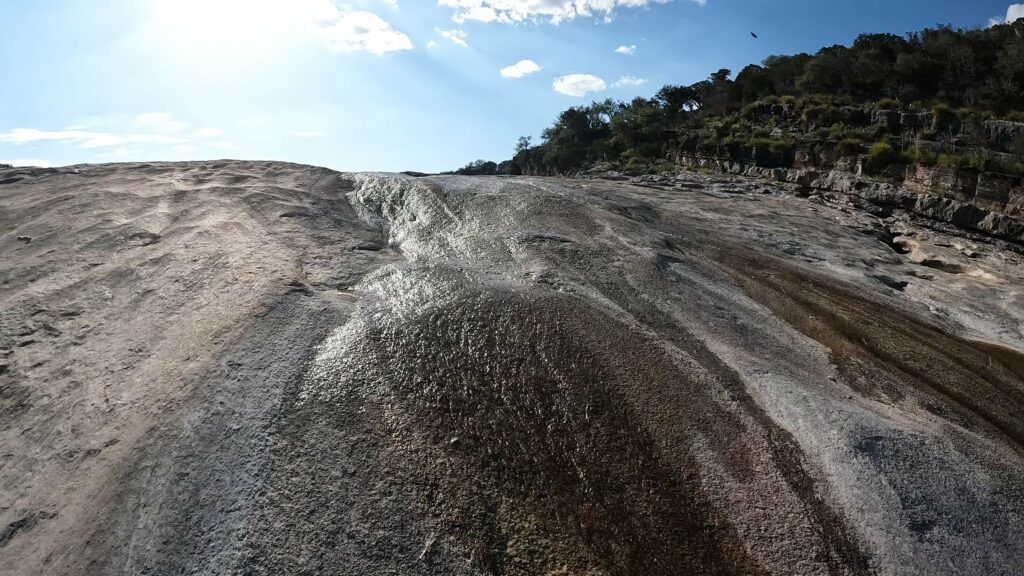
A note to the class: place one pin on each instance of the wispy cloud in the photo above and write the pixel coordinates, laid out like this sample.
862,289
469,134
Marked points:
1013,13
627,50
578,85
628,81
84,138
154,128
364,32
520,69
27,163
456,36
511,11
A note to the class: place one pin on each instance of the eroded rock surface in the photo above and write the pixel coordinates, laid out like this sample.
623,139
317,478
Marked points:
263,368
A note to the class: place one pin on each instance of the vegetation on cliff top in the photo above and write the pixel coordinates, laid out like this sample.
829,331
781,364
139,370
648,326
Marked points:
953,80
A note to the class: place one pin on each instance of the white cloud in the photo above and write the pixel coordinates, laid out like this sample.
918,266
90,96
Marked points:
520,69
364,31
628,81
27,163
456,36
578,85
554,11
627,50
153,128
1013,13
84,138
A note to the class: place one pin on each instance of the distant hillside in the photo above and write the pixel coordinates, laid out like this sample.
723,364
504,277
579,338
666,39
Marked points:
936,97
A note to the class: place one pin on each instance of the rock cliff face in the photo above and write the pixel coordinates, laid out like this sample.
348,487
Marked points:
988,203
262,368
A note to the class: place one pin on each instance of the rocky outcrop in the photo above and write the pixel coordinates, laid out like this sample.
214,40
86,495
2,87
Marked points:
987,203
890,119
916,120
1003,135
263,368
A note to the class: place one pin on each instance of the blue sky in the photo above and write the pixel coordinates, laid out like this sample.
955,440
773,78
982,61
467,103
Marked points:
377,84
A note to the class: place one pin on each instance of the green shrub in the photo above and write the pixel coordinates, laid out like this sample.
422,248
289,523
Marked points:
879,133
973,161
965,114
941,110
851,147
666,166
923,156
770,153
788,100
751,110
881,155
886,104
944,116
1014,116
824,114
814,114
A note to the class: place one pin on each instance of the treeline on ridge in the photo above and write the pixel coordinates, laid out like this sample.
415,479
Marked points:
958,79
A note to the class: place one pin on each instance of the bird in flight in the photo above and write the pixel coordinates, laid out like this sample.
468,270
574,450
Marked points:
754,35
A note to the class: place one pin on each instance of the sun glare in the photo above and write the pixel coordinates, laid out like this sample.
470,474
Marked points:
218,30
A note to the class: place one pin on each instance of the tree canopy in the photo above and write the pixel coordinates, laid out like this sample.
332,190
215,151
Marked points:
979,69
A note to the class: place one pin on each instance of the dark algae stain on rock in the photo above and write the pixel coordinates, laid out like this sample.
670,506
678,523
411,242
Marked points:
892,353
572,472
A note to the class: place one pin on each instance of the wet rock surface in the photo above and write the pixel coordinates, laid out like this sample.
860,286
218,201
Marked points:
264,368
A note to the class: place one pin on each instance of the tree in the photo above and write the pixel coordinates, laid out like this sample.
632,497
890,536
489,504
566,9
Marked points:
753,83
478,168
938,68
578,135
636,130
828,72
677,99
523,143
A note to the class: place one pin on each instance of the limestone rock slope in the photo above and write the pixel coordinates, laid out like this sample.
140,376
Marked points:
265,368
